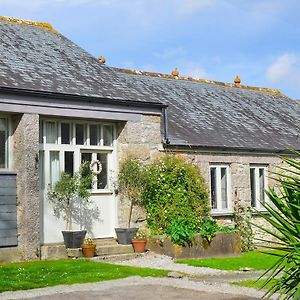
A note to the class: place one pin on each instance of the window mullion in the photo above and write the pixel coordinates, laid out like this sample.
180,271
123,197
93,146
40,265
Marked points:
257,191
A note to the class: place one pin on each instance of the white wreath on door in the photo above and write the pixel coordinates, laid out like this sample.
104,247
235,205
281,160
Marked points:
99,167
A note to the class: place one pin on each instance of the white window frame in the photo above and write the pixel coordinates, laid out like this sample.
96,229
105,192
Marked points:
78,149
8,154
257,203
219,209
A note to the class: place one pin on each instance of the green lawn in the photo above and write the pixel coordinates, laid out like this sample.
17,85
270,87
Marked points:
253,283
254,260
29,275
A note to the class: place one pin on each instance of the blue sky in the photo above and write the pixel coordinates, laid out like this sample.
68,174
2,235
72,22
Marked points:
259,40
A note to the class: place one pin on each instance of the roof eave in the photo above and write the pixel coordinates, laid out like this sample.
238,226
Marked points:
75,97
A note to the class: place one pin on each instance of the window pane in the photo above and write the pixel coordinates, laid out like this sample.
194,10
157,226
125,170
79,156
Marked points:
252,184
102,177
79,134
213,187
54,167
41,132
224,188
261,185
51,133
69,162
65,133
86,157
94,137
107,135
3,129
41,170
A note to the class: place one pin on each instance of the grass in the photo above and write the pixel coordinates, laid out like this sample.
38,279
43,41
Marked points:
253,283
254,260
29,275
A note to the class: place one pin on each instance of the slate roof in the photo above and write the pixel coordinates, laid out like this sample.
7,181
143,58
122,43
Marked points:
36,57
216,116
201,113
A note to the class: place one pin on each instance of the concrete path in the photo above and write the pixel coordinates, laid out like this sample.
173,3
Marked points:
140,288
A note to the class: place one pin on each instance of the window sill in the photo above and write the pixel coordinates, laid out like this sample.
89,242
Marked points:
101,192
217,213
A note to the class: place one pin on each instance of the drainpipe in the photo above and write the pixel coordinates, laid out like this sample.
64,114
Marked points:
165,126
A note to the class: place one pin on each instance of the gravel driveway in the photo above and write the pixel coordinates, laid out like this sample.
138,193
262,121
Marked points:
196,283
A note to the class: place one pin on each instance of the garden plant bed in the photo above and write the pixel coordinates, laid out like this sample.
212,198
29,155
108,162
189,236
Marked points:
223,244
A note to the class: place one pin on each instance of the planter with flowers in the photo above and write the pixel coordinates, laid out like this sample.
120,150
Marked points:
88,247
140,240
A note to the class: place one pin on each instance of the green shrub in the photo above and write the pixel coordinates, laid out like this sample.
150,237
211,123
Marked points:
208,229
174,189
284,216
182,230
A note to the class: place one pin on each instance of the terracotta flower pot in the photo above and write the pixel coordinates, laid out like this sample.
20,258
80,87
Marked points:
88,250
139,245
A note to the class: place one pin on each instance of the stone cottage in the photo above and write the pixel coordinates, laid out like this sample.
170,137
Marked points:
60,106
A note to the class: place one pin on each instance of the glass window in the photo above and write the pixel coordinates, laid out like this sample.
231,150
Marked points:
219,188
102,177
258,185
69,162
94,135
51,132
65,133
79,134
224,188
213,187
54,167
3,142
107,135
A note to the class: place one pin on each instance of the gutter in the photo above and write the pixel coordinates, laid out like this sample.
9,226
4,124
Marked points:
200,148
54,95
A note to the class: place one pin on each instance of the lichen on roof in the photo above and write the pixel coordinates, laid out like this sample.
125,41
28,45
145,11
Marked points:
44,25
169,76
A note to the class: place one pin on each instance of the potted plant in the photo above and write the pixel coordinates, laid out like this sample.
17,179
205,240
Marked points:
88,247
140,239
65,195
131,185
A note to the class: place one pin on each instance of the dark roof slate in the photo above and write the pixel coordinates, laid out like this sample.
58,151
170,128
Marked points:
215,116
35,58
200,114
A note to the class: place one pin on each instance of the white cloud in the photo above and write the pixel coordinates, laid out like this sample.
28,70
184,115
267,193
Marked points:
170,53
284,73
286,68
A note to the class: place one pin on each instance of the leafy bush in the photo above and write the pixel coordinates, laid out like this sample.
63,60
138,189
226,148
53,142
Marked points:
284,216
243,222
208,229
182,230
174,189
68,191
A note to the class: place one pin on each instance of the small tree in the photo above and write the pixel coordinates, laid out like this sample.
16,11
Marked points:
284,217
67,190
131,183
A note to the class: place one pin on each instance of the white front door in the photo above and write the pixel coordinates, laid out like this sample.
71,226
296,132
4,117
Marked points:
64,145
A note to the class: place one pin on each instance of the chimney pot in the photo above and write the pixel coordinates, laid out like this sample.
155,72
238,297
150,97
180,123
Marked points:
175,72
237,80
102,59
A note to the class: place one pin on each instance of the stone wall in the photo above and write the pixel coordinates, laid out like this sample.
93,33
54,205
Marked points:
240,179
140,140
25,159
